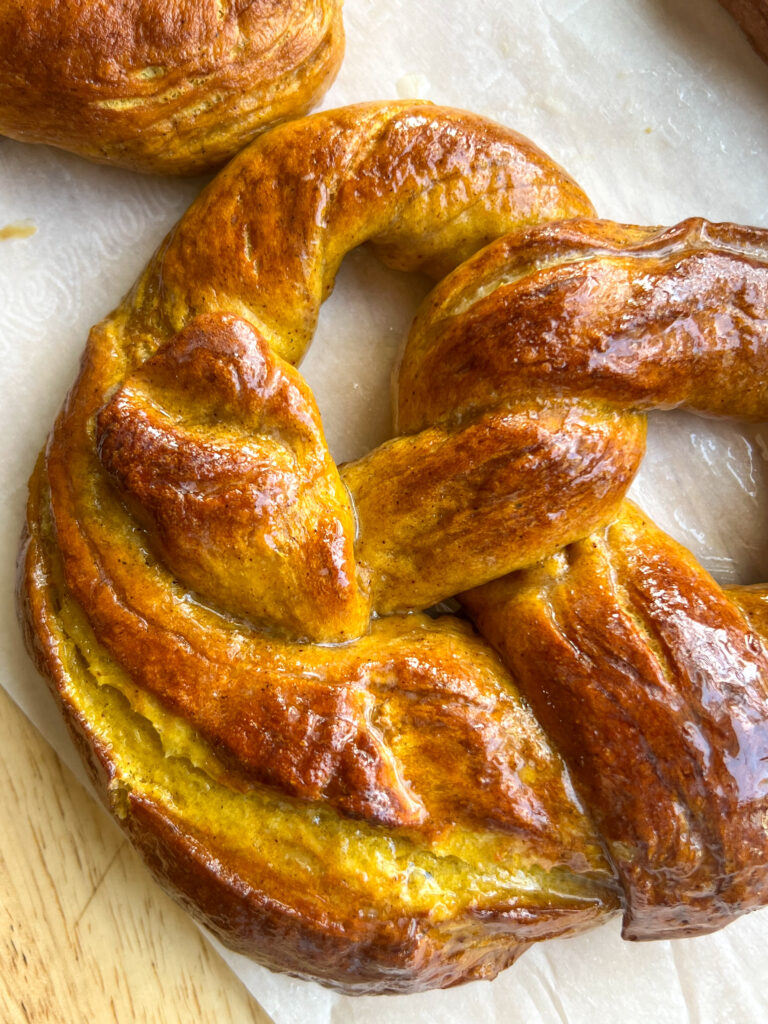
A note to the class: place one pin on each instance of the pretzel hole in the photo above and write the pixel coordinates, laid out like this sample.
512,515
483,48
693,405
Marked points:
705,482
359,334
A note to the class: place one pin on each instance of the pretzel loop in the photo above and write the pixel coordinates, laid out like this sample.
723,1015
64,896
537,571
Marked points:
206,589
651,680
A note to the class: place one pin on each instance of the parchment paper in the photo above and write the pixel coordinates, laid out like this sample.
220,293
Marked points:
660,109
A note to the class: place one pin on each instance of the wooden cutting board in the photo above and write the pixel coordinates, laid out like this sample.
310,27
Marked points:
85,934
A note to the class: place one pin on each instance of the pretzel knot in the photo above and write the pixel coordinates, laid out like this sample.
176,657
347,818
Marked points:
337,783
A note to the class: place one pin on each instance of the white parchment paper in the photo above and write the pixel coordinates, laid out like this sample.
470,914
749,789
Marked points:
659,108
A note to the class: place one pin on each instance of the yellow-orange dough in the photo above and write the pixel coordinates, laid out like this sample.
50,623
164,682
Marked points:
338,784
163,86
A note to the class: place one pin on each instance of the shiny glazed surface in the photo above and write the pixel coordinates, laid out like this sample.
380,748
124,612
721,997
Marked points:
642,670
653,684
316,830
370,801
169,88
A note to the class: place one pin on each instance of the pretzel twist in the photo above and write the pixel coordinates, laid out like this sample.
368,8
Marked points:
199,578
651,680
170,88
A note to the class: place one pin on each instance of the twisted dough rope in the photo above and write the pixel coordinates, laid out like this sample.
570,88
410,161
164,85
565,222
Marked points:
648,677
293,792
170,88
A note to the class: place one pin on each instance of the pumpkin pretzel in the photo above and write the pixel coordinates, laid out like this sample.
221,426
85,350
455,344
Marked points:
338,784
162,86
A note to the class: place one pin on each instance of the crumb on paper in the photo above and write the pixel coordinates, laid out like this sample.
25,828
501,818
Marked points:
19,229
413,87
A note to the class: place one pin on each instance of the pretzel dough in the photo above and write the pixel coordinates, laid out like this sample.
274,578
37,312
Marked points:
336,783
165,87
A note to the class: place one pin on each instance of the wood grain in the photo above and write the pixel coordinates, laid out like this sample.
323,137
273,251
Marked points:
85,934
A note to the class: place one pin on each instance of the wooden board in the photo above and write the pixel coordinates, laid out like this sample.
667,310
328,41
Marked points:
85,934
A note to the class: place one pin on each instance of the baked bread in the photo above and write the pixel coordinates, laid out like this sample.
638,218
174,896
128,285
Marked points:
369,801
650,679
169,88
752,15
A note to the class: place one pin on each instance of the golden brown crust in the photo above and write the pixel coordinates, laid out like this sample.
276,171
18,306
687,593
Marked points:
426,186
456,491
752,15
645,673
358,957
218,446
655,689
520,386
255,910
171,88
386,814
630,317
259,773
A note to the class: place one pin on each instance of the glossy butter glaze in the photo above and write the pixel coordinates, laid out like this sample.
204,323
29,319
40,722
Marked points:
522,383
170,88
218,445
371,801
293,792
654,686
646,674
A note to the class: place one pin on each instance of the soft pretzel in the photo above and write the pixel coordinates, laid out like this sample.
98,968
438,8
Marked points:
171,88
368,800
649,678
294,792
